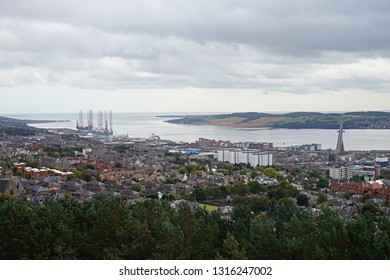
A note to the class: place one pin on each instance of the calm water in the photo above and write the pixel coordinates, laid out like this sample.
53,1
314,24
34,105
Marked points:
142,125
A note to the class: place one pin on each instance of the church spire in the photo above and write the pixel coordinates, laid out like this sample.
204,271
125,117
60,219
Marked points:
340,144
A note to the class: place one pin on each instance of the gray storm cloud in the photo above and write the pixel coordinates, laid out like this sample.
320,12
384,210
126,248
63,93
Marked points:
292,46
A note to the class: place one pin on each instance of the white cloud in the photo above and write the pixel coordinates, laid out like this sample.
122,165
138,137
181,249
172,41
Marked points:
293,47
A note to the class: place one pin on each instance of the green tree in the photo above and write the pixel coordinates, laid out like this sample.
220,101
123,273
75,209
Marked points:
297,236
254,174
302,200
200,194
240,188
321,198
331,238
89,166
361,234
264,241
322,183
349,194
241,217
256,187
86,177
257,204
57,240
270,172
370,208
108,228
206,238
169,241
232,248
365,197
282,190
186,221
17,230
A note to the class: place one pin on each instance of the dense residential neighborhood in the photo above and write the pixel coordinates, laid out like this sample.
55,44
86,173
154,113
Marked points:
208,177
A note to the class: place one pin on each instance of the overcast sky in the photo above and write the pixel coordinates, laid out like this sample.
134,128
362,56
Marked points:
189,56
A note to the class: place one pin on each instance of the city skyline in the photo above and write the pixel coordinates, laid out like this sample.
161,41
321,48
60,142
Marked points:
224,56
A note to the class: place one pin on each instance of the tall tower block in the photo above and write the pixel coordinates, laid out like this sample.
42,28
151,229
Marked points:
340,144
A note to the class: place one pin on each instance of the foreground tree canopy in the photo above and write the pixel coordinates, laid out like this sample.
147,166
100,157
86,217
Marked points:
105,228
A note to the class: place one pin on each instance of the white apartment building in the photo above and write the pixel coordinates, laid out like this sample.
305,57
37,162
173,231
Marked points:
341,172
254,158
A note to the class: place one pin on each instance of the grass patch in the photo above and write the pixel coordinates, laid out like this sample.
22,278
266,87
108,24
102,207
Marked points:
244,122
230,121
209,208
264,121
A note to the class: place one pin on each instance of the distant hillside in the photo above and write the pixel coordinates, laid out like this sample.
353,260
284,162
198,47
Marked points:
17,127
297,120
